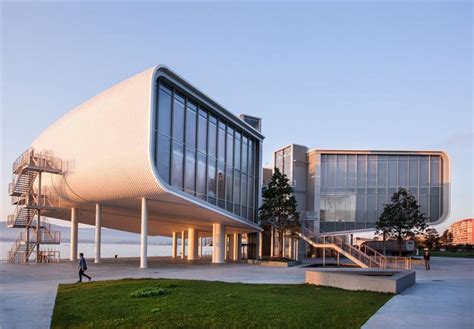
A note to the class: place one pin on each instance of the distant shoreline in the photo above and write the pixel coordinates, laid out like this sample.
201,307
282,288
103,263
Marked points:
107,242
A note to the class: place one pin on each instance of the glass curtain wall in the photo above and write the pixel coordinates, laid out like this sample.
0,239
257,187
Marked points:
204,155
355,188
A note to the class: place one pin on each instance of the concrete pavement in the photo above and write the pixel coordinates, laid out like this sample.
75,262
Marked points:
442,297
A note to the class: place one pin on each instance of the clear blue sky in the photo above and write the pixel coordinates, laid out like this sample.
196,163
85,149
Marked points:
353,75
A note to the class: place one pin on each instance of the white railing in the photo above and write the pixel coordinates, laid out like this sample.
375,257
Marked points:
41,160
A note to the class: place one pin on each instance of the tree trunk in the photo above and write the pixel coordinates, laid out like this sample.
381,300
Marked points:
400,245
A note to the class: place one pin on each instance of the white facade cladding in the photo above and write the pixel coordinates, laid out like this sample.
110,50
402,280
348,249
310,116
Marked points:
344,191
109,149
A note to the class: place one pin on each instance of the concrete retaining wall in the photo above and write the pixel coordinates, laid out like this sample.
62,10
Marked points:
387,281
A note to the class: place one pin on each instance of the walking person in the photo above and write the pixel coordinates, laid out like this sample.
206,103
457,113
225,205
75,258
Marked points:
426,257
82,267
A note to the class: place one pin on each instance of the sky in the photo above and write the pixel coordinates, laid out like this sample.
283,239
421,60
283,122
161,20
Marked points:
356,75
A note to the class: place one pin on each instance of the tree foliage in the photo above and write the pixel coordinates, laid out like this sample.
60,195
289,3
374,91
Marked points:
446,239
401,218
278,210
431,236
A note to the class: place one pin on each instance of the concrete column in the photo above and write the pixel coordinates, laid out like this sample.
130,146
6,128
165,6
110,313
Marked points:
259,245
272,238
290,248
74,230
144,234
200,247
192,244
174,250
297,249
229,238
237,243
98,227
218,243
183,244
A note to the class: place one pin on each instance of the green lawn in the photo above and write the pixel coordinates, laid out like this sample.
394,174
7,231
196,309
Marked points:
204,304
464,254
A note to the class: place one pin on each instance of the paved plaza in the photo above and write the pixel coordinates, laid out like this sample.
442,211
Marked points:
442,297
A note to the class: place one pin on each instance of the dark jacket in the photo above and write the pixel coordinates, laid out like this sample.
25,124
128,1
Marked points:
82,264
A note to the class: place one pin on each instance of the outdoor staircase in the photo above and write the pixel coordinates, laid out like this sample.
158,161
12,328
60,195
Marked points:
30,201
363,256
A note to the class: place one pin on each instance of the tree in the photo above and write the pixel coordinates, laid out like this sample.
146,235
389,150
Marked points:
401,218
431,236
278,211
446,238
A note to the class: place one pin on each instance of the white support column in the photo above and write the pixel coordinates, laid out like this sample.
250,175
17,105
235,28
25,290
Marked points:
144,234
98,227
218,243
74,230
259,245
290,248
174,250
192,244
183,244
237,243
297,249
200,255
272,239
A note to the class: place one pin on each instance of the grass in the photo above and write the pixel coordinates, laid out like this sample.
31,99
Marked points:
207,304
463,254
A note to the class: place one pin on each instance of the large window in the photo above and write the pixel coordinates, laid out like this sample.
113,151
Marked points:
205,155
355,188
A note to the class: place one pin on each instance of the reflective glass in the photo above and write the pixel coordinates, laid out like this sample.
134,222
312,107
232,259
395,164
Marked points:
201,175
403,173
230,147
221,142
382,173
237,147
164,112
190,172
361,172
351,174
244,154
178,118
163,157
371,173
212,137
211,179
392,172
221,181
190,132
202,131
435,171
413,171
423,171
341,173
177,165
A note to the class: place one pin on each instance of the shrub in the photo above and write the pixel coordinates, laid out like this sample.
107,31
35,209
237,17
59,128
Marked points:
149,292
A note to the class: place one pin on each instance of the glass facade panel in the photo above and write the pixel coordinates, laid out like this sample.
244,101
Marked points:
200,152
178,118
190,171
177,165
164,111
202,131
163,157
211,180
344,197
201,176
191,120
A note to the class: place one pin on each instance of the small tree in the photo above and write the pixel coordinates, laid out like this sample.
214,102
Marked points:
401,218
278,211
431,238
446,239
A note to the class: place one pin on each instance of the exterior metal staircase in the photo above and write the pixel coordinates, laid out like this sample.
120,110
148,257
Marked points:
30,201
362,256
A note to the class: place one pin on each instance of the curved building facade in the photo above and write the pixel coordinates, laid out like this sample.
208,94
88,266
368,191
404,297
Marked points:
155,140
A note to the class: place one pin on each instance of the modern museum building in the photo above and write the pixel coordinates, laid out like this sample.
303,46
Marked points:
156,156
